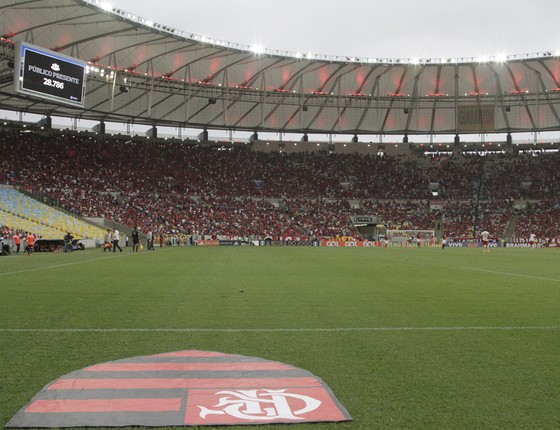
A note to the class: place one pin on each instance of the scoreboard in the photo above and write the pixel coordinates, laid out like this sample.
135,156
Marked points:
49,75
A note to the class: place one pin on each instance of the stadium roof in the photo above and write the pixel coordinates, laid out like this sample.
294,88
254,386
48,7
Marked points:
149,73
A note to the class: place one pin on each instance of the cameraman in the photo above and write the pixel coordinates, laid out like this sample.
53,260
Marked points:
68,242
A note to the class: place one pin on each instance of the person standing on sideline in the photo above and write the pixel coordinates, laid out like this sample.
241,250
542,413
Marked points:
126,240
17,241
68,242
532,240
150,240
135,240
116,238
108,241
30,239
485,240
443,241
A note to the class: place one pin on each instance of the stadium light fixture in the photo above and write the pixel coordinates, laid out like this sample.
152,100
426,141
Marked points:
106,6
482,59
257,49
501,58
415,61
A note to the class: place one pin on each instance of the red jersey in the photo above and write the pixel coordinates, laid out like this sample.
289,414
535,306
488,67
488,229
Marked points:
30,240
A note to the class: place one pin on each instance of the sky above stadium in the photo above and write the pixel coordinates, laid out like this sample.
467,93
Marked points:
369,28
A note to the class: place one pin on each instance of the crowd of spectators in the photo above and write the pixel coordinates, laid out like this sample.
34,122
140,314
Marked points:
172,187
541,218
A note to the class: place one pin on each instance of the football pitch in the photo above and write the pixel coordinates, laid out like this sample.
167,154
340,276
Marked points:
406,338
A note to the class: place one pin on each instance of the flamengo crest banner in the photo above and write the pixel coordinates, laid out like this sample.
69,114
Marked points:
185,388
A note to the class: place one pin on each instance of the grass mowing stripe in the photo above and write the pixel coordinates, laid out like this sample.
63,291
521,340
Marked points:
264,330
56,266
512,274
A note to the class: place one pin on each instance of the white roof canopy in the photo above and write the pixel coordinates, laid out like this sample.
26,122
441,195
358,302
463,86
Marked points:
163,76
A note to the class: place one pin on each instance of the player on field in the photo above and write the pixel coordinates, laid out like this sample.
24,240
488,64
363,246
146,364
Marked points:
485,240
30,240
385,241
443,241
532,240
17,241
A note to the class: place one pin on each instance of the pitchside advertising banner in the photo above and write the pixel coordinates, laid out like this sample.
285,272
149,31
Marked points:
183,388
462,242
351,243
286,243
317,243
526,245
220,243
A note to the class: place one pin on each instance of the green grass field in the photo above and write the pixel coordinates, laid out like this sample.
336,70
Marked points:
406,338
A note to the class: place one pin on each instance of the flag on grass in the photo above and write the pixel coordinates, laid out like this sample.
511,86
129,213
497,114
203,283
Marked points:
184,388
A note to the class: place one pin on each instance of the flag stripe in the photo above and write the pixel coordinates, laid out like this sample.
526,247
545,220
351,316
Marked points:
186,367
179,383
108,405
193,354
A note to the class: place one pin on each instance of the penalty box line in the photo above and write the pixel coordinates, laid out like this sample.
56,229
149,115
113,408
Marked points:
520,275
275,330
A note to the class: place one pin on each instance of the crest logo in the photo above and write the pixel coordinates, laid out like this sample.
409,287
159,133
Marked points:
139,391
55,67
263,405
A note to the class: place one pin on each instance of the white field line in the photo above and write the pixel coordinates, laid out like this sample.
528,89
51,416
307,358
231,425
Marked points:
274,330
15,272
520,275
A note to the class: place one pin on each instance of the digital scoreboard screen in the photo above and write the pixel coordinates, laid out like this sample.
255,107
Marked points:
50,75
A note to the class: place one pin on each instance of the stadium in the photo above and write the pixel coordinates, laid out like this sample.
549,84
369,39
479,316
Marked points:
325,211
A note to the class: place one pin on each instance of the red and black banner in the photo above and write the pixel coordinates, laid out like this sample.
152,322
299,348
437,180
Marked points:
185,388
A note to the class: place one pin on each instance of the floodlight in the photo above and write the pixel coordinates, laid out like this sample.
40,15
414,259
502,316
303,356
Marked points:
501,58
257,49
106,6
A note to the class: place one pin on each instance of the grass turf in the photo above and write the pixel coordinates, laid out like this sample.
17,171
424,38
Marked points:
453,339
